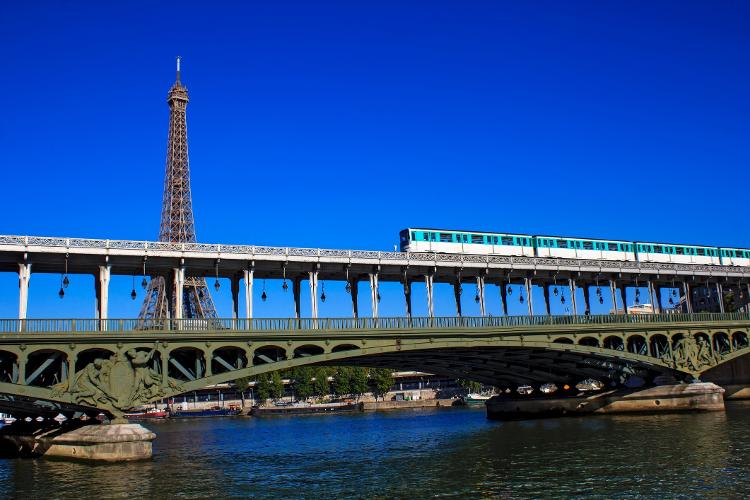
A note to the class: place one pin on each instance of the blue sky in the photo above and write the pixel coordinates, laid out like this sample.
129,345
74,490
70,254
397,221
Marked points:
335,124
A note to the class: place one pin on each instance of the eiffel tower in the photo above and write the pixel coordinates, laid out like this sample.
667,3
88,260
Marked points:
177,222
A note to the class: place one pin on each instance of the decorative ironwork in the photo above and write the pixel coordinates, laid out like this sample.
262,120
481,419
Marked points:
177,221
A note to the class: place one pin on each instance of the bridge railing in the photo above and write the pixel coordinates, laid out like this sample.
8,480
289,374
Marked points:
114,326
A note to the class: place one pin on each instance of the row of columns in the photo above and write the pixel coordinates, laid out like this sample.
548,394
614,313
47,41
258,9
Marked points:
178,282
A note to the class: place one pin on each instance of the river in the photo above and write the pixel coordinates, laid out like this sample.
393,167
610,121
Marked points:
414,454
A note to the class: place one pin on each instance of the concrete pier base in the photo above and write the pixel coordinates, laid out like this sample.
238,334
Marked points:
106,443
704,396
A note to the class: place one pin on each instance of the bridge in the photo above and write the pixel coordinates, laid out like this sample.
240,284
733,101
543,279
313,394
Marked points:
48,366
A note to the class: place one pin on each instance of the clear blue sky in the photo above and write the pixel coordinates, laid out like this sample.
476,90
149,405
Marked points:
335,124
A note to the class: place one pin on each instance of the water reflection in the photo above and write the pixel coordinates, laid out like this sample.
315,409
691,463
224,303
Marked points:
416,454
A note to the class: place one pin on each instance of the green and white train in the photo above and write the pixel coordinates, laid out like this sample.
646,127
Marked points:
473,242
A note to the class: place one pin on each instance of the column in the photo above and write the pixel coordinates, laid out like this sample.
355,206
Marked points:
720,296
504,297
296,285
430,304
354,284
657,299
374,293
547,305
102,299
407,296
248,275
457,295
179,288
24,275
313,279
587,298
624,298
688,299
613,294
573,305
480,289
529,298
235,297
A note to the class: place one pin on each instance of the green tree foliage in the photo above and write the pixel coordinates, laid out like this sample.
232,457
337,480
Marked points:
358,382
303,387
262,387
470,385
276,386
321,387
241,385
342,381
382,381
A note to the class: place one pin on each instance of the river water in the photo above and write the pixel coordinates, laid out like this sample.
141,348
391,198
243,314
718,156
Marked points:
415,454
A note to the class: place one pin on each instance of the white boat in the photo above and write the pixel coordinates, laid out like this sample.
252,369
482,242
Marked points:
474,398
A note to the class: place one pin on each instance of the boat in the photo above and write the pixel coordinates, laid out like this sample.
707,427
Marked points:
475,399
301,408
7,418
147,414
216,411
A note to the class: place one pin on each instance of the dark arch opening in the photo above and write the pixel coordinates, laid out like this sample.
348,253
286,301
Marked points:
186,363
46,367
563,340
721,343
344,347
268,354
659,345
89,355
306,351
226,359
8,367
637,345
589,341
614,343
739,340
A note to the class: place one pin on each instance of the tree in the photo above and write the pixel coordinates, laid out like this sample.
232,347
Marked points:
276,386
303,387
342,381
382,379
241,385
358,384
262,387
320,384
470,385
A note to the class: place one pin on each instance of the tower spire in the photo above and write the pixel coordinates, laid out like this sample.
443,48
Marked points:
177,223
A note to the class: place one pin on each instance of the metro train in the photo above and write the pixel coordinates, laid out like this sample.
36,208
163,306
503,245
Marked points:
473,242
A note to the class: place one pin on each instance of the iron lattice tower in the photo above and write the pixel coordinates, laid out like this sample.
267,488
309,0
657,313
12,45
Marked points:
177,222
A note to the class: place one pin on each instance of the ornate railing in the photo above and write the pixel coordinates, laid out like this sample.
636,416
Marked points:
10,327
252,250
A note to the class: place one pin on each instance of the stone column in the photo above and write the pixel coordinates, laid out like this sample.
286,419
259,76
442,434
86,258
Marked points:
235,297
720,296
573,305
24,276
504,297
688,299
547,305
457,296
296,285
587,298
430,304
248,277
374,293
529,298
354,284
313,279
480,291
613,294
624,298
102,302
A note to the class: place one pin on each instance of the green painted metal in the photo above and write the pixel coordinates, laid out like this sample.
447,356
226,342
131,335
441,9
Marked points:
118,364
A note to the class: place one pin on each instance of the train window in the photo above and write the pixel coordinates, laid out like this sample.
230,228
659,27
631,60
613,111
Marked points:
701,251
425,236
506,240
612,247
413,235
679,250
562,243
446,237
588,245
477,238
658,249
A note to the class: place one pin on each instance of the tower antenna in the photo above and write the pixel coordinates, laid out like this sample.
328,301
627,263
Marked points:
178,69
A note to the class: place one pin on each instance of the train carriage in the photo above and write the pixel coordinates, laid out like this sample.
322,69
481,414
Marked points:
445,241
735,256
582,248
681,254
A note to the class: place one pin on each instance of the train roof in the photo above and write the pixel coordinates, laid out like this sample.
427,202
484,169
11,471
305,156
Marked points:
572,237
